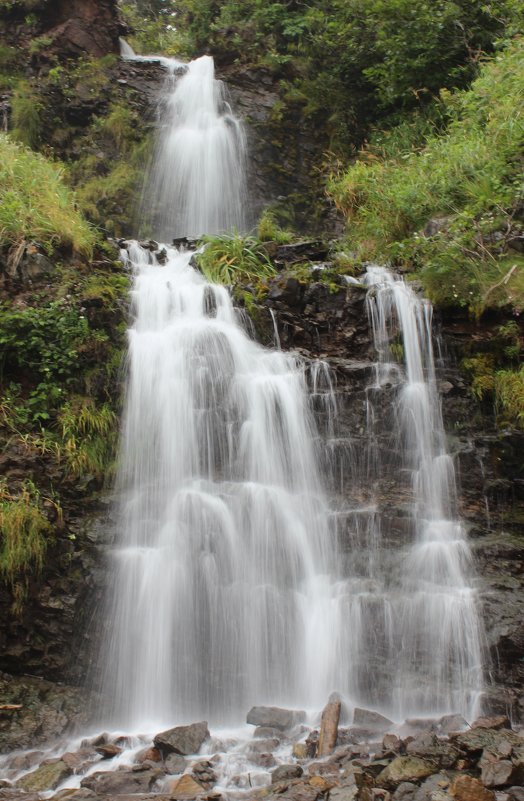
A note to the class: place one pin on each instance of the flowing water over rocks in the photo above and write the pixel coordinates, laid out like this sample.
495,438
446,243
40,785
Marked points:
250,566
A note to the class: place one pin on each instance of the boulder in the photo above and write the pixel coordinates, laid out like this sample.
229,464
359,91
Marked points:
496,773
185,789
496,722
368,719
121,782
150,754
175,763
284,772
405,769
182,739
108,751
329,726
450,723
262,746
466,788
275,717
428,746
266,731
204,774
46,777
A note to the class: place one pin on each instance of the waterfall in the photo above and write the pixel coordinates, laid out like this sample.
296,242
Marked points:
195,184
239,577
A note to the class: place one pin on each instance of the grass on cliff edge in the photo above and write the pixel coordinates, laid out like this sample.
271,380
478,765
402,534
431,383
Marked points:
36,204
469,176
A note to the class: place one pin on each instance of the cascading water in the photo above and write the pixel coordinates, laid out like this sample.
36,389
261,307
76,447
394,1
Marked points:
236,582
196,182
220,567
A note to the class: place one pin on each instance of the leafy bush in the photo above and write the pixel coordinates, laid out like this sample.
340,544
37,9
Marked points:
36,204
52,336
468,176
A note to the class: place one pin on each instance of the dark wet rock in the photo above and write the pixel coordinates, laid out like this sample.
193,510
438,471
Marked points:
405,769
368,719
516,793
286,772
122,781
275,717
175,763
183,739
46,777
47,711
309,250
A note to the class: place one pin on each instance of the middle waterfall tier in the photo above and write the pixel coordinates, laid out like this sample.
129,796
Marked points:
243,575
222,589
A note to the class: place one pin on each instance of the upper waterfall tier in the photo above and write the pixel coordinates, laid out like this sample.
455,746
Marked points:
196,183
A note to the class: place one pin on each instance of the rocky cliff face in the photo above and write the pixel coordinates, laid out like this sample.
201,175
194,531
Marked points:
67,28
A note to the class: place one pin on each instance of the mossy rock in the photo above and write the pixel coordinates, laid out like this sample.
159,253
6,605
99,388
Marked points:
46,777
405,769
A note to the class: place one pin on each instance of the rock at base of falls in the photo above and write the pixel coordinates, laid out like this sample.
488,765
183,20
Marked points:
275,717
329,726
183,739
284,772
466,788
404,769
48,776
368,719
186,789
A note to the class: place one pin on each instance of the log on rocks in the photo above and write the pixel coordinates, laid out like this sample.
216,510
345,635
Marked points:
329,726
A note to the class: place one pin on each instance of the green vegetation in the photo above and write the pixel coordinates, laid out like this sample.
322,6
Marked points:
352,62
36,204
232,258
467,177
24,531
268,229
88,437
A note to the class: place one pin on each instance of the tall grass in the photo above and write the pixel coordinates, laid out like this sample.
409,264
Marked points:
35,202
232,258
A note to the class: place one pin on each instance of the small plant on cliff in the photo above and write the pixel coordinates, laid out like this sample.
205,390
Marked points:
89,435
268,229
24,531
232,258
